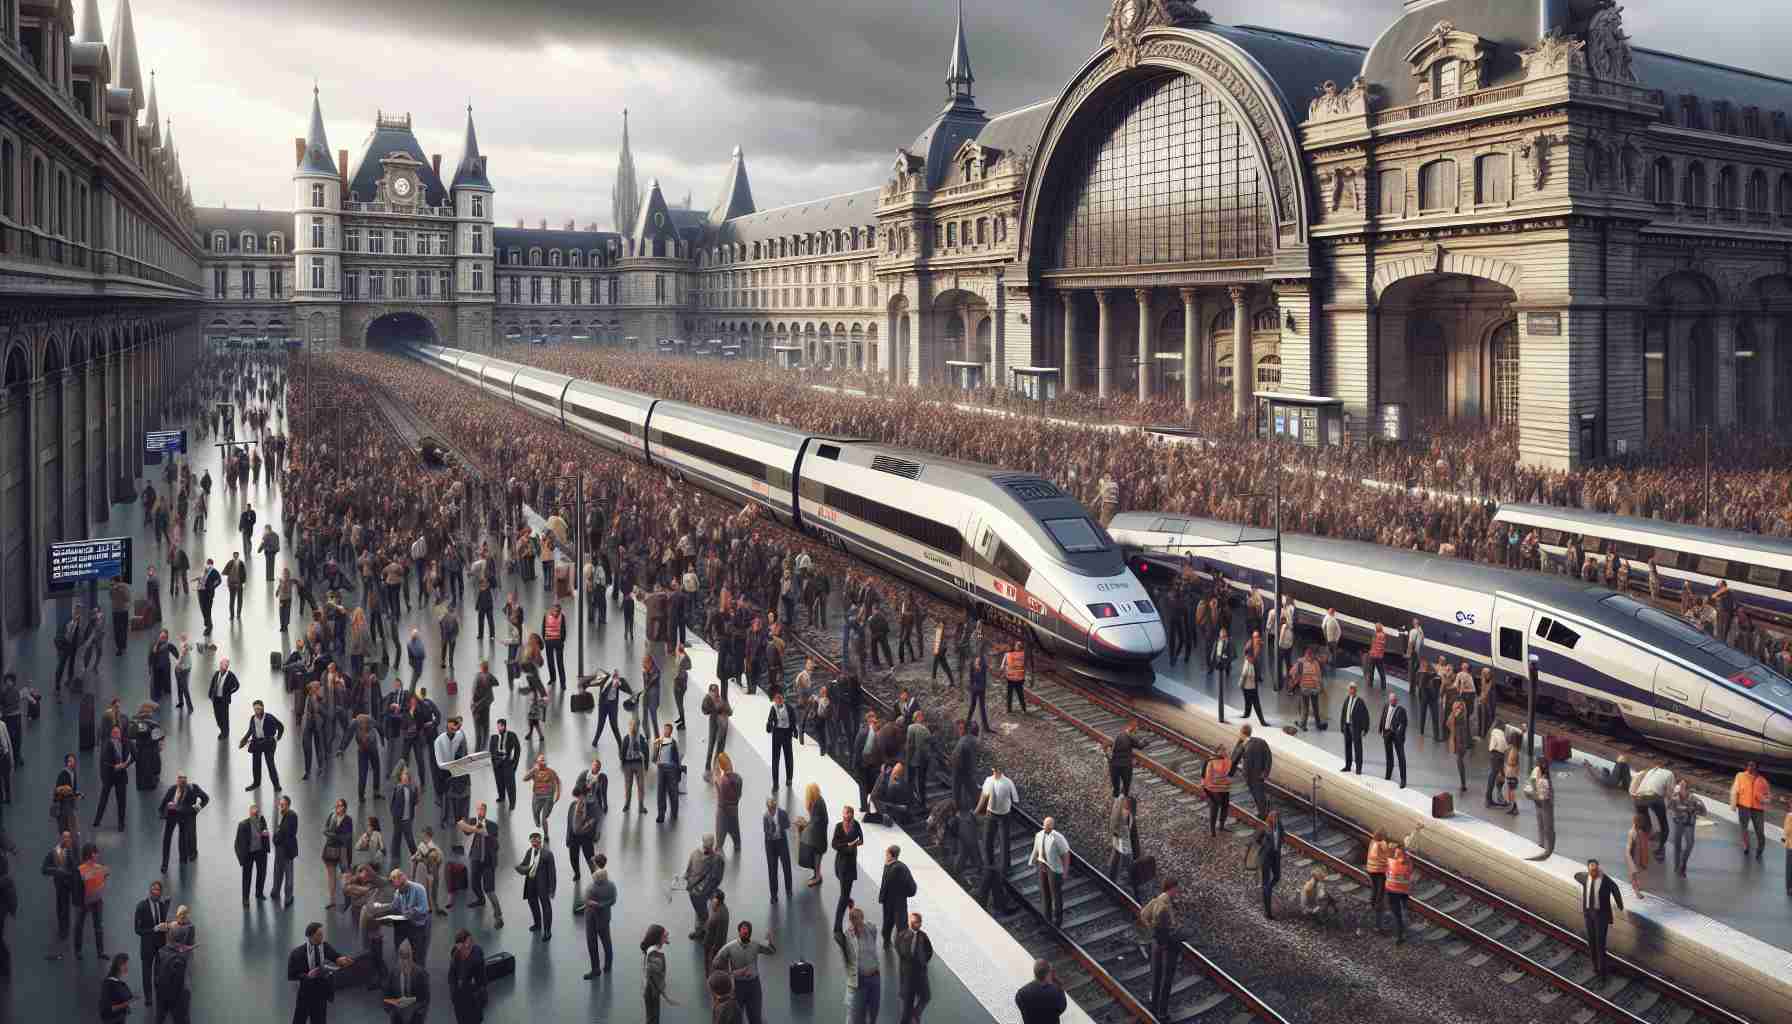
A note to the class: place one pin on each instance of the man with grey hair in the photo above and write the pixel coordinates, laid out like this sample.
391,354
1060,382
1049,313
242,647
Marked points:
702,877
174,1000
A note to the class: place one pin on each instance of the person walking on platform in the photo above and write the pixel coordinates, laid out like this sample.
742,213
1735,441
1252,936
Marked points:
1598,895
914,951
1542,793
1375,665
1310,684
1749,797
1247,685
848,837
1042,1000
600,901
1353,722
1393,737
223,686
1456,728
1496,765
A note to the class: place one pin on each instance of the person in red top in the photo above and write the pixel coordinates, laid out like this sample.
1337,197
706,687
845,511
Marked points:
1748,798
553,637
1399,889
1378,650
93,891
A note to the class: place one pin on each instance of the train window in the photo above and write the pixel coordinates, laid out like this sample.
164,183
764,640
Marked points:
1562,635
777,478
1543,625
828,451
1011,565
1763,576
1075,535
753,469
1172,526
1673,625
1551,537
919,529
616,423
1711,566
1511,644
1634,552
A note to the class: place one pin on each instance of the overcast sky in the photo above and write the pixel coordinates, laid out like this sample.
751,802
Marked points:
819,93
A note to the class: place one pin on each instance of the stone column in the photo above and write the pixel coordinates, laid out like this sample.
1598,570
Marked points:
1191,345
1070,382
1724,363
1104,345
1244,378
1143,295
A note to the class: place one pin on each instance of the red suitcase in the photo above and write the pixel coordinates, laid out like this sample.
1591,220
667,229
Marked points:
1443,805
1558,748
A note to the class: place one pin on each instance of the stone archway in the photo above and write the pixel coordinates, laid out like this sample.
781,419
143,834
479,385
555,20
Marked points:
395,329
955,316
1681,362
1438,341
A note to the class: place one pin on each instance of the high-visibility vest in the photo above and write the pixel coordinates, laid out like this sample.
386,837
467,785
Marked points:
1219,775
1014,666
1750,793
1378,858
1400,874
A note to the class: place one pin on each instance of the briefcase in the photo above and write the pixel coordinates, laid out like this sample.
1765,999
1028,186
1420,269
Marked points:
457,877
1558,748
499,965
582,702
802,978
1443,805
276,660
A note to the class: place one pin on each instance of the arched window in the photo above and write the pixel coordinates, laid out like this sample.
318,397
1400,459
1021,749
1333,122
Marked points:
1504,357
1390,195
248,242
1269,371
1111,210
1726,198
220,241
1493,178
553,257
276,243
1001,228
1694,191
1437,186
1757,192
1661,180
515,256
535,257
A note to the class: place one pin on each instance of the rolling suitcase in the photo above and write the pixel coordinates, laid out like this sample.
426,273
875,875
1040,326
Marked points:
457,877
582,702
1558,748
1443,805
802,978
276,660
499,965
88,741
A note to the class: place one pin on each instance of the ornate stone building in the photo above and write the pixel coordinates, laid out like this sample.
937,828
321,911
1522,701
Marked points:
1499,212
99,283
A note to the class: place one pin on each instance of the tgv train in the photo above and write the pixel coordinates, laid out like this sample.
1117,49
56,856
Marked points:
1010,544
1603,654
1759,568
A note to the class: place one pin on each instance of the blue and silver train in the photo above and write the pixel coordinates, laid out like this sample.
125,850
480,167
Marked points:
1602,654
1012,545
1759,569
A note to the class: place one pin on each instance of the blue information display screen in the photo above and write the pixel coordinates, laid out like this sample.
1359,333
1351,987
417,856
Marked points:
74,562
162,442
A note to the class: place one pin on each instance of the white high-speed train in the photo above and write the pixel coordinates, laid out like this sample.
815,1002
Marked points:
1604,654
1010,544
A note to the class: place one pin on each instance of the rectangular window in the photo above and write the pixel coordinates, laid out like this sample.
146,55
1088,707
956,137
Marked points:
317,273
220,283
401,284
839,296
423,284
478,278
659,287
478,210
1391,194
401,243
1493,178
554,291
351,239
535,290
317,232
351,285
376,241
516,290
248,283
376,284
442,285
1437,185
573,298
276,284
478,237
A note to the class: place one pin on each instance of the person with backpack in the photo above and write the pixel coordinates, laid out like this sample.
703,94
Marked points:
169,969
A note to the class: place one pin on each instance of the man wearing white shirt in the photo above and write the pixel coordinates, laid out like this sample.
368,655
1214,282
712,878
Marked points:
1051,856
997,800
454,791
1496,764
1649,795
1333,631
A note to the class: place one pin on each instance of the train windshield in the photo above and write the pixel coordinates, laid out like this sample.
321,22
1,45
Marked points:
1077,536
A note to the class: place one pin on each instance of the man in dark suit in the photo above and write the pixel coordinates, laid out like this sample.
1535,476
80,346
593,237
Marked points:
537,870
1597,894
151,925
893,891
62,866
965,783
1393,737
1354,721
507,753
780,722
115,770
466,979
286,847
1041,999
181,804
482,860
223,686
305,965
252,842
1254,757
914,950
262,738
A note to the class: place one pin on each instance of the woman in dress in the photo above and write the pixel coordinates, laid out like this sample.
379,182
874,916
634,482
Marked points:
812,831
338,833
1636,852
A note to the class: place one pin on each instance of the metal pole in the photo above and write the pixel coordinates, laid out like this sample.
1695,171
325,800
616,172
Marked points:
1707,474
1276,678
1531,711
578,569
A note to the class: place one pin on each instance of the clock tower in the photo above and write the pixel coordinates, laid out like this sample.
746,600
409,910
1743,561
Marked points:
401,181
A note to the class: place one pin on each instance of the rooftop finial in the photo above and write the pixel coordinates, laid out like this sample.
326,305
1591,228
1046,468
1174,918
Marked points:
958,75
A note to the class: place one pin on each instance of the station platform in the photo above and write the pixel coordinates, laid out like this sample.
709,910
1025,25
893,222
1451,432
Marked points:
1730,917
241,955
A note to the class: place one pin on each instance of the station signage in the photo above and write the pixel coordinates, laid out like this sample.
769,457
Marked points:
74,562
157,443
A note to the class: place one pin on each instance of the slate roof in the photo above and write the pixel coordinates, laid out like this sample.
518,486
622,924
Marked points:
260,223
366,170
545,239
846,210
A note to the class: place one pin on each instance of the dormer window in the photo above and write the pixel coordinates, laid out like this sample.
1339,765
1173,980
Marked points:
1446,78
1447,63
276,244
248,242
554,258
220,242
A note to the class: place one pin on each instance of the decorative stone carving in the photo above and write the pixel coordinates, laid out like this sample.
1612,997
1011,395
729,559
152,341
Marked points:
1341,187
1554,54
1536,152
1608,46
1128,20
1445,43
1329,101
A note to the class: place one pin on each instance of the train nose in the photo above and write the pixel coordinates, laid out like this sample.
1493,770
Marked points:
1777,742
1135,641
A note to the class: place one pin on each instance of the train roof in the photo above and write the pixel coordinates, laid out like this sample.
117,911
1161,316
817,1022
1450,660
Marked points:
1595,604
1593,522
758,430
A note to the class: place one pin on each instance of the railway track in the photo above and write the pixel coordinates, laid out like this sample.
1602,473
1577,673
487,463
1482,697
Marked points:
1531,960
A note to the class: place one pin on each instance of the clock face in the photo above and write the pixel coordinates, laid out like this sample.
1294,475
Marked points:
401,187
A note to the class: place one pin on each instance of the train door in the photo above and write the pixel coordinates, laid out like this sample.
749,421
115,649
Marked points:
1732,721
1679,697
979,549
1511,640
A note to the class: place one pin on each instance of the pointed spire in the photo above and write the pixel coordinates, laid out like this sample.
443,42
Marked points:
152,125
958,74
625,196
736,199
125,72
471,172
90,23
317,144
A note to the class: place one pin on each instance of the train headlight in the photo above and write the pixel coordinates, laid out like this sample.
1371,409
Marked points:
1104,610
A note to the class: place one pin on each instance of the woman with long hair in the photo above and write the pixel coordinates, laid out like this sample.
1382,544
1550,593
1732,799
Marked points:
115,994
653,972
360,641
812,832
338,832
